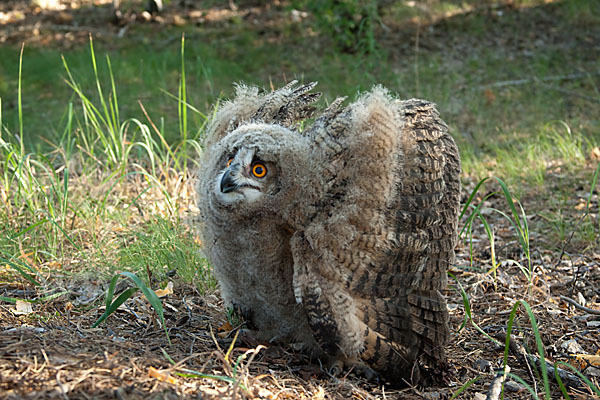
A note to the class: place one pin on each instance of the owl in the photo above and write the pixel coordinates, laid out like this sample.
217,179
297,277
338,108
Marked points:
334,234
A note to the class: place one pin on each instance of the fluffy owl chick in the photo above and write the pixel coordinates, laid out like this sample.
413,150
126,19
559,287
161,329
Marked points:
337,237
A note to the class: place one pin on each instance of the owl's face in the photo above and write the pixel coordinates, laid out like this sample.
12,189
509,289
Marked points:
244,177
257,168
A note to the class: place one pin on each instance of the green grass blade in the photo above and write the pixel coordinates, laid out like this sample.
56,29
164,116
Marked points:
188,105
521,236
561,385
464,387
490,234
115,304
520,380
167,356
21,271
594,388
29,228
183,96
509,200
471,197
34,301
115,108
468,316
151,297
65,234
190,373
65,195
476,210
19,101
592,188
466,302
538,340
111,290
11,300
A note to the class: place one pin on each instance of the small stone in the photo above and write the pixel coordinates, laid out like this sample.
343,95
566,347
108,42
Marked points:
178,20
592,371
479,396
593,324
482,365
511,386
572,347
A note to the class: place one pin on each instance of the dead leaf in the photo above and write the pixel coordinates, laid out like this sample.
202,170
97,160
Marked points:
264,394
490,97
178,20
224,330
226,327
166,291
592,359
23,308
319,394
162,376
572,347
595,154
64,17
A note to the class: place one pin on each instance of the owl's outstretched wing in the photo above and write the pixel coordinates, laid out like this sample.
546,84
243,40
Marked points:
370,265
285,106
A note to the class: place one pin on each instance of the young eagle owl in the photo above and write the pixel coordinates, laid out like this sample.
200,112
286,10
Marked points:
337,236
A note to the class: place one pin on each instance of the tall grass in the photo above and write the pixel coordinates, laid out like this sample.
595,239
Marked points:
517,219
106,176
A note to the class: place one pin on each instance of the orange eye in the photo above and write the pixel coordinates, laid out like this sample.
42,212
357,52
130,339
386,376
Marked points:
229,162
259,170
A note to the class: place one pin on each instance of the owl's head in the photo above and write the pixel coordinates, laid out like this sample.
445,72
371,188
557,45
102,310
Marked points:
255,168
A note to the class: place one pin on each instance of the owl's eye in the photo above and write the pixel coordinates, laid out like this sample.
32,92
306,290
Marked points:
259,170
229,161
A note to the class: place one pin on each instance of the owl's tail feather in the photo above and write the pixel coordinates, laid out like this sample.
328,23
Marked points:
393,361
430,324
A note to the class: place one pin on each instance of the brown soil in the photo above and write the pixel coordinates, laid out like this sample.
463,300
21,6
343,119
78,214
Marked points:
53,353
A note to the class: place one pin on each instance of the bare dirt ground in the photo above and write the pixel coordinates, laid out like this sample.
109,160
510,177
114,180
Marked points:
53,353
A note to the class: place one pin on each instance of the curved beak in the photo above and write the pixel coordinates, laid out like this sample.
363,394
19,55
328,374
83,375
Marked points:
227,182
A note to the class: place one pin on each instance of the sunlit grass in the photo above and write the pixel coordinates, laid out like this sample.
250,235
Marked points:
102,179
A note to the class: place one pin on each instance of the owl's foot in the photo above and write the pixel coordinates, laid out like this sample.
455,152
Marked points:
336,367
245,337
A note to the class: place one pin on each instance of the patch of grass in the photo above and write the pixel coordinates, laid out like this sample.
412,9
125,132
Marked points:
583,12
530,160
71,204
164,246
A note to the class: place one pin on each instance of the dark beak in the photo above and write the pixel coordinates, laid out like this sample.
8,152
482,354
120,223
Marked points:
227,183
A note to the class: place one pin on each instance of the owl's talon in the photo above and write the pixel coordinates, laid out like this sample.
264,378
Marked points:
336,370
366,372
335,367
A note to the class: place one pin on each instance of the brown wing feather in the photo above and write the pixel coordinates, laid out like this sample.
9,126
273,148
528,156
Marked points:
385,233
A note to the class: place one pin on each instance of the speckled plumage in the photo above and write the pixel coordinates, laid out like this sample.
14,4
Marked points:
344,244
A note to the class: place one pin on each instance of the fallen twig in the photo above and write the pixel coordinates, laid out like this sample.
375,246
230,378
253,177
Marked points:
525,81
518,350
496,386
579,306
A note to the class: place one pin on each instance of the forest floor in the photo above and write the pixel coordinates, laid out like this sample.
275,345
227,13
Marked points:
49,350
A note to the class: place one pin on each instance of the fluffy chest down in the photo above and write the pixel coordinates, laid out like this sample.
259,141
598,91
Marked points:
253,265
